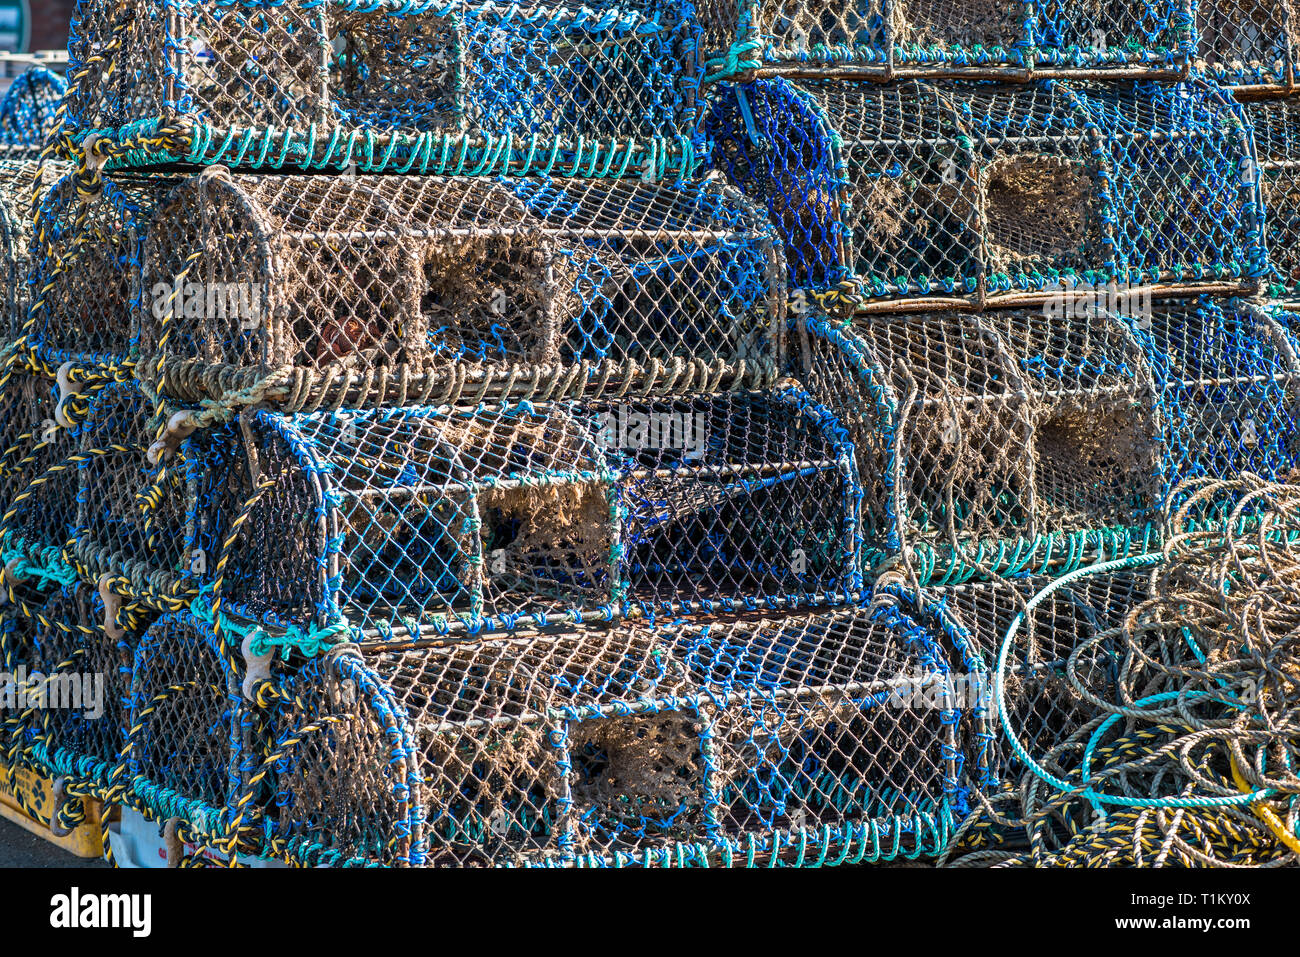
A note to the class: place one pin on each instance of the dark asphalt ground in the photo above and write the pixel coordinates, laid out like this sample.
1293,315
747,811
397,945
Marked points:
18,848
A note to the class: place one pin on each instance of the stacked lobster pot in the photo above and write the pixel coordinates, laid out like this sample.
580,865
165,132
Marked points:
403,423
1027,248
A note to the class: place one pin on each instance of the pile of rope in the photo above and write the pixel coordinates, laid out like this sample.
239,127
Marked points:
1194,763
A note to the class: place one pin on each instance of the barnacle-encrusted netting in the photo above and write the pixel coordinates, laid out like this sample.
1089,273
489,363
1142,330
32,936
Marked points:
420,87
897,38
87,288
977,191
994,443
410,517
19,181
830,734
1228,387
1183,695
28,113
426,289
1249,45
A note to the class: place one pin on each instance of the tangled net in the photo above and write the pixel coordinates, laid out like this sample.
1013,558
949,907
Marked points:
1187,756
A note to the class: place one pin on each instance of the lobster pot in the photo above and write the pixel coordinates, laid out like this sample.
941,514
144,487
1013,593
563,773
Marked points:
1060,654
1277,150
779,737
411,514
40,501
133,517
28,113
987,443
388,288
1250,46
1227,379
979,191
192,734
732,500
84,676
311,85
86,271
885,40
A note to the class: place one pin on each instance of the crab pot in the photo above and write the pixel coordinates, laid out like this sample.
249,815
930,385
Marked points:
1044,697
625,745
43,499
1249,45
886,40
988,442
19,181
133,517
309,85
732,499
416,513
85,677
87,271
1277,151
192,733
1228,386
27,113
422,283
981,191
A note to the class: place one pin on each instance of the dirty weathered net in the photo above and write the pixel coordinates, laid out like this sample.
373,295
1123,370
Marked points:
457,88
886,40
86,273
1248,44
981,192
1276,125
427,290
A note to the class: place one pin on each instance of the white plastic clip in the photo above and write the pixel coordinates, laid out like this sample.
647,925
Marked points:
179,428
172,841
66,392
112,605
10,577
58,798
257,668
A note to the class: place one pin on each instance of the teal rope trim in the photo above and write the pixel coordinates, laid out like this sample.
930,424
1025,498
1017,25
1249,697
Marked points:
309,642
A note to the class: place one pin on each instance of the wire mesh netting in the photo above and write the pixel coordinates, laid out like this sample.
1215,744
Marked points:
18,184
976,190
39,494
889,38
416,289
744,740
1227,377
135,518
420,87
1276,125
1248,44
991,444
408,517
28,113
86,276
78,684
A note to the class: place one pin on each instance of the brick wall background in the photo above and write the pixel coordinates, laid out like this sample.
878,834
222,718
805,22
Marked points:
50,20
